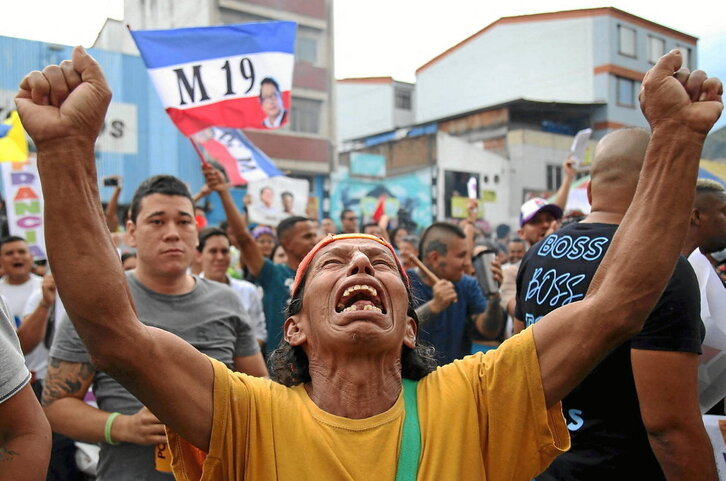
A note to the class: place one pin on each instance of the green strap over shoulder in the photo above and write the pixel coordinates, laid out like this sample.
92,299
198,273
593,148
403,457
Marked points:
410,450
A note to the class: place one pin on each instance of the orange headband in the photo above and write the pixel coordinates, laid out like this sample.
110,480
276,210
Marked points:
305,263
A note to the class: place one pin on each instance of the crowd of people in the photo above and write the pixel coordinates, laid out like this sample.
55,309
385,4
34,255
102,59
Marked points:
354,349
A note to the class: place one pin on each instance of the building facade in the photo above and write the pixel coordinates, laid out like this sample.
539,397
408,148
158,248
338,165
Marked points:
506,103
371,105
597,55
305,147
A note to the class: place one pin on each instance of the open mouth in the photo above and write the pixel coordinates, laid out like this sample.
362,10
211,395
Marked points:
360,297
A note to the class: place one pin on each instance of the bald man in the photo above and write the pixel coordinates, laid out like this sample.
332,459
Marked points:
636,416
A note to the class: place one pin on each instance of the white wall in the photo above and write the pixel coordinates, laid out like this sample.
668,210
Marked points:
459,155
363,109
546,60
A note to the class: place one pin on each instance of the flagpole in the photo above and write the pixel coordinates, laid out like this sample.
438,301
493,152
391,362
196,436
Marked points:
199,153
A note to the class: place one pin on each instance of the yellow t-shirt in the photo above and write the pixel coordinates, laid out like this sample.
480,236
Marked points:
482,418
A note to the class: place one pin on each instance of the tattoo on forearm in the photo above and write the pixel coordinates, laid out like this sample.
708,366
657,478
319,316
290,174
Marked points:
7,454
65,379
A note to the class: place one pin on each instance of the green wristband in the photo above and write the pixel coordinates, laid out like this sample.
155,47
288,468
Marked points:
107,429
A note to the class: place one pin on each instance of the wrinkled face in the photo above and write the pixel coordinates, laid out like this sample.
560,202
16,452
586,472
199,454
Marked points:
299,240
536,229
328,226
406,251
354,296
350,223
215,258
516,251
271,101
454,263
266,243
16,259
164,234
712,221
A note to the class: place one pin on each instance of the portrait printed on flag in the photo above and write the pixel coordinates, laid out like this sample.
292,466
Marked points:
237,76
276,198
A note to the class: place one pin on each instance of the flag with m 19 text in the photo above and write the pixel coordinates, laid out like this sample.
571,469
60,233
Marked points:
237,76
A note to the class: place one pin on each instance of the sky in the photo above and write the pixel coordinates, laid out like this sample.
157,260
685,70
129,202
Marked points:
390,37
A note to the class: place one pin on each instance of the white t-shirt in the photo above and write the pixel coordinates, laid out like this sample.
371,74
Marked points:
16,297
712,367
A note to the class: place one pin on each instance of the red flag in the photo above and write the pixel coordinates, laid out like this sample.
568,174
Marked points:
379,209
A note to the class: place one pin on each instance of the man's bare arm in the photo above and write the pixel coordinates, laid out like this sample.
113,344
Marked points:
66,384
563,192
681,109
32,331
33,328
25,438
250,250
667,386
491,322
112,207
62,108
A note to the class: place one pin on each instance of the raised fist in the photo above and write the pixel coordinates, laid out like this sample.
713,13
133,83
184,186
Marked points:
64,104
672,94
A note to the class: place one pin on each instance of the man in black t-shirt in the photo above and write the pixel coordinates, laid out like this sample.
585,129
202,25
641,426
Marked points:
635,416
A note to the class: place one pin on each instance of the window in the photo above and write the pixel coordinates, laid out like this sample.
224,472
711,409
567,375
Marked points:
626,41
656,48
554,177
686,54
626,92
305,115
403,99
307,49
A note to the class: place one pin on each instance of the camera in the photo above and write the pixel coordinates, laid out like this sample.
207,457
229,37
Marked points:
110,181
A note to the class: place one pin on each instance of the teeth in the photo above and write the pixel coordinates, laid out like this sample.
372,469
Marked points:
359,287
367,307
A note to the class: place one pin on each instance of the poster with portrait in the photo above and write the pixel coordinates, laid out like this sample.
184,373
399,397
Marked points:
276,198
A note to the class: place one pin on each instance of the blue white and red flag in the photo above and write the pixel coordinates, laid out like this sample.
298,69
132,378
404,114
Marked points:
241,160
214,76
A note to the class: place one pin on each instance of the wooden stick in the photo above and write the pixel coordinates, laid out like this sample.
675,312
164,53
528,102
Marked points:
434,278
199,152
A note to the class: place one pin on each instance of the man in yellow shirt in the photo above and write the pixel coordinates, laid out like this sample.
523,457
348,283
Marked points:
350,329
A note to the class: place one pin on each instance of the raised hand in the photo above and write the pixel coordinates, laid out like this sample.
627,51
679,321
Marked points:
444,295
48,287
214,179
141,428
64,102
672,94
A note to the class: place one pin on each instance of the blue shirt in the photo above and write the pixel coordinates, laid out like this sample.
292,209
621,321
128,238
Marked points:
449,330
276,280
